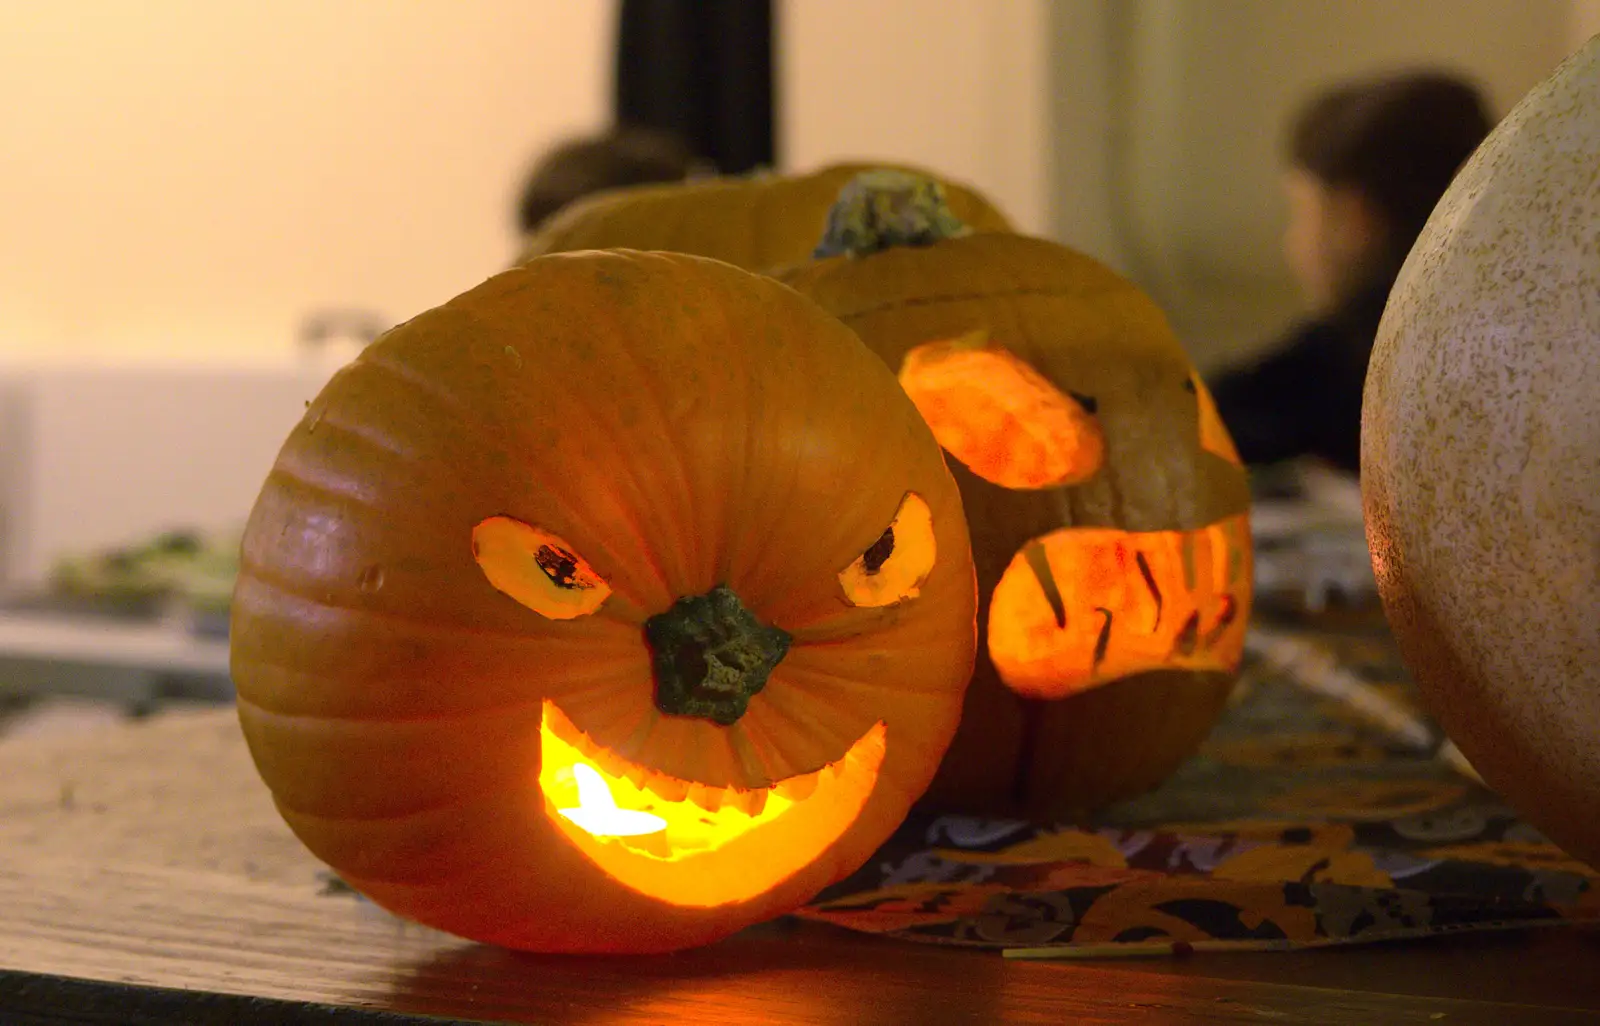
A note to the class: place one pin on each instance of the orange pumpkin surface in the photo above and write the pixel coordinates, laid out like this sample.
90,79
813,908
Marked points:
1108,507
618,603
756,221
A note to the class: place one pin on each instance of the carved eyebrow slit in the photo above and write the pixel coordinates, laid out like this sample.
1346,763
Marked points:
1039,563
1189,636
1102,644
1149,582
1230,610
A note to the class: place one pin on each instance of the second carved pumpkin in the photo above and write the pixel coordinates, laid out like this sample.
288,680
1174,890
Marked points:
753,221
1108,507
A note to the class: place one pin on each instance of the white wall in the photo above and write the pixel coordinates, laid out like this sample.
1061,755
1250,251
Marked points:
1173,112
185,176
961,86
1145,132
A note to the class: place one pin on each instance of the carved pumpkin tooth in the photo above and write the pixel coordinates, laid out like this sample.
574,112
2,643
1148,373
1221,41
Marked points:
609,763
754,800
797,789
707,797
667,787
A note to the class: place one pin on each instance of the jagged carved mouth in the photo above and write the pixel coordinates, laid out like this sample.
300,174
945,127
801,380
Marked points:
1082,606
692,844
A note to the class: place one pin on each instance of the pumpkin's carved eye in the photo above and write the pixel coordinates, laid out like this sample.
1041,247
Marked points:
537,568
1214,437
893,568
1001,418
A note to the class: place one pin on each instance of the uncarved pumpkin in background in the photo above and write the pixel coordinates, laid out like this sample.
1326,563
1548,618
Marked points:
756,222
1107,505
1480,457
620,602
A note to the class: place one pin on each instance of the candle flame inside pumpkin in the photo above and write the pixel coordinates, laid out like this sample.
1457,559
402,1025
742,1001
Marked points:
597,811
693,844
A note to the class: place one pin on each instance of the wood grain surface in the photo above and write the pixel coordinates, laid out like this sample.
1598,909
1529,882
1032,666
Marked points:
145,878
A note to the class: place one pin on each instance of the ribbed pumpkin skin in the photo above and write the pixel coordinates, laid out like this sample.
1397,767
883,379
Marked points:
1480,457
1089,330
758,222
682,424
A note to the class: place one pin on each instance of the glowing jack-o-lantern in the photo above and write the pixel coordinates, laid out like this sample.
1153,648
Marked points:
1107,503
616,604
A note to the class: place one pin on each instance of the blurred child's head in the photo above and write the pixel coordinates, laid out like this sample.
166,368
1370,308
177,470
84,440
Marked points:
578,167
1368,161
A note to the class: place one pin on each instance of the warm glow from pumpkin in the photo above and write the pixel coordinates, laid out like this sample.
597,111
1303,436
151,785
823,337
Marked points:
1214,437
893,568
597,811
1001,418
537,569
692,844
1085,605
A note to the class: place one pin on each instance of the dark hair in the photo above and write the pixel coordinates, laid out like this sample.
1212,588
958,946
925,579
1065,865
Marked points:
1399,140
578,167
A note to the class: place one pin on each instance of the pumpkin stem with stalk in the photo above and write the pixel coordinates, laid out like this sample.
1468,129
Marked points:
877,210
712,655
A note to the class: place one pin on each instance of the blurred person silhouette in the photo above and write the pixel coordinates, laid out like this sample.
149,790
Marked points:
624,155
1368,161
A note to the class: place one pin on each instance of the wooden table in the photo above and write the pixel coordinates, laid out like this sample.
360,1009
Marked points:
144,878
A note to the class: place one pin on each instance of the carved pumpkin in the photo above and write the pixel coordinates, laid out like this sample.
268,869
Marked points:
1480,457
755,222
618,603
1107,505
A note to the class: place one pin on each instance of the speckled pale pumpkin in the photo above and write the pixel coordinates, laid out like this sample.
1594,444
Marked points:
756,222
1480,452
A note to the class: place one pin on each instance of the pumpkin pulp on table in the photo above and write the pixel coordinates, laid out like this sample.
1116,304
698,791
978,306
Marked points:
619,603
1108,507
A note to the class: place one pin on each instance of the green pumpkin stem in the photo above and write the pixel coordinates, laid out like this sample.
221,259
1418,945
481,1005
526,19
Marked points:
880,209
711,656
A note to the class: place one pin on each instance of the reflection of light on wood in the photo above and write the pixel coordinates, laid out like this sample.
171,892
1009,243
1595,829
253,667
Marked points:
1082,606
1001,418
689,843
597,811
